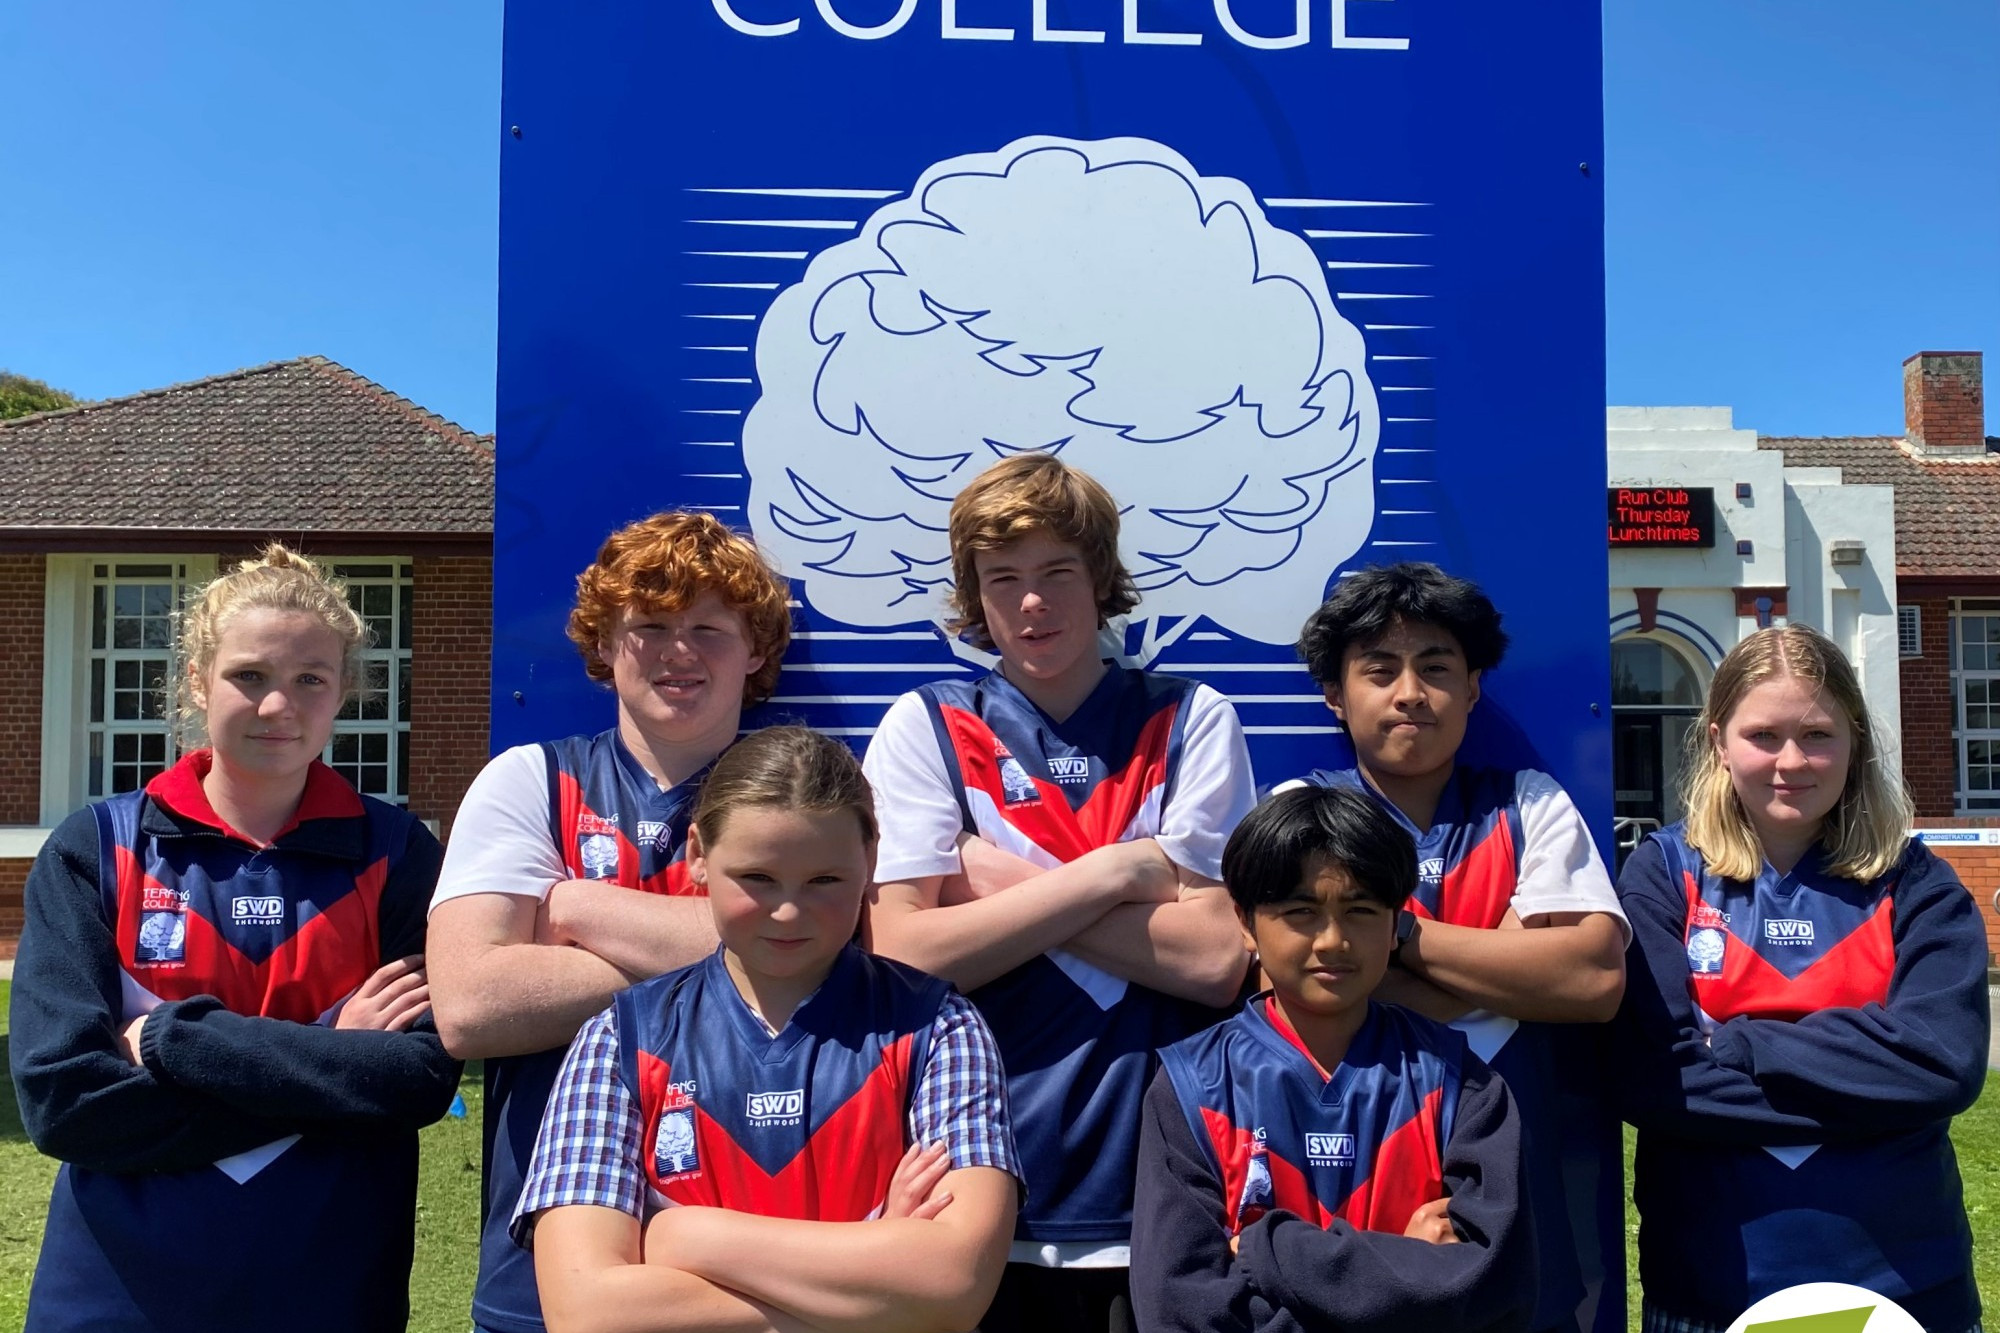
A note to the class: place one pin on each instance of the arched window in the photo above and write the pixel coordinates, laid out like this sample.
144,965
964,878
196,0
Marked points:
1655,700
1645,673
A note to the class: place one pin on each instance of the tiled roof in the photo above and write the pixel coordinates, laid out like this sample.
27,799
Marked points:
1947,510
303,446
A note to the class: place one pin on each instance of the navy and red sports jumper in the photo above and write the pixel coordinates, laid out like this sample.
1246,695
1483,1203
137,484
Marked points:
258,1168
807,1123
1078,1042
1503,839
679,1095
1316,1174
596,814
1792,1050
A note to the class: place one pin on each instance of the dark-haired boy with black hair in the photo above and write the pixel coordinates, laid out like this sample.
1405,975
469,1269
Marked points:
1319,1160
1514,927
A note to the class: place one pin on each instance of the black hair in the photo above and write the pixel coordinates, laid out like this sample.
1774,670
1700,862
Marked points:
1364,606
1271,850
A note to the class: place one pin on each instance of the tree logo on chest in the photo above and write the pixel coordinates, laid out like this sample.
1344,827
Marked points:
674,1151
1707,940
162,937
1016,787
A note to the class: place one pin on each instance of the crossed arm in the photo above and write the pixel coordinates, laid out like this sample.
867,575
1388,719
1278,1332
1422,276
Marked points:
520,953
510,975
1466,1261
1566,961
711,1269
1132,908
1841,1073
1125,908
1561,967
192,1082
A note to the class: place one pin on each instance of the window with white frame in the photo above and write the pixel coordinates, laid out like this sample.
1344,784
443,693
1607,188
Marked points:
1975,690
371,739
1909,631
133,660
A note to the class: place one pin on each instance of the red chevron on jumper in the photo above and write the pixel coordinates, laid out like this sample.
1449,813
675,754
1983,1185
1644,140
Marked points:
1479,889
1050,823
578,817
840,1173
1234,1149
1406,1174
1854,972
324,960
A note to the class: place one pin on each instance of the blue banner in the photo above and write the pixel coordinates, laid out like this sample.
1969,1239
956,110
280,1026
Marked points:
1309,284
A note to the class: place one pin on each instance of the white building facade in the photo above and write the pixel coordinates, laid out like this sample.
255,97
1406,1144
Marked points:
1787,544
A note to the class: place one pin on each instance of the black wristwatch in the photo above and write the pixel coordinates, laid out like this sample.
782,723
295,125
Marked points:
1406,926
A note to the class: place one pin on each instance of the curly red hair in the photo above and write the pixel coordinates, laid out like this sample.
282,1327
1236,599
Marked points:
663,563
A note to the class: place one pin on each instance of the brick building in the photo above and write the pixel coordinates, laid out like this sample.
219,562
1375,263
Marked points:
1945,473
113,510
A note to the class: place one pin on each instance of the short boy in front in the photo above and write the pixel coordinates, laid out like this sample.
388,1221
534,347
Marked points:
1321,1160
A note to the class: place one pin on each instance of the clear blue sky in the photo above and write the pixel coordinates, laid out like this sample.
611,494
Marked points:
1800,194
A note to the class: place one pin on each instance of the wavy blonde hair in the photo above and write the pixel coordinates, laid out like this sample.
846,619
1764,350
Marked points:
280,579
1865,832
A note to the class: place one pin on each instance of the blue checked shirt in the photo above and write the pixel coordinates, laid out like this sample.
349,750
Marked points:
589,1149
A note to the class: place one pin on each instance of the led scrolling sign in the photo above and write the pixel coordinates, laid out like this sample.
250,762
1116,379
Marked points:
1671,516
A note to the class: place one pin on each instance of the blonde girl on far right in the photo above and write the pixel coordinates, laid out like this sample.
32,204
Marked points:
1805,1011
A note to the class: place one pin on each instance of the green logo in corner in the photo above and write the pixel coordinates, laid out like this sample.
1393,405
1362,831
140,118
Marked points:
1825,1307
1834,1321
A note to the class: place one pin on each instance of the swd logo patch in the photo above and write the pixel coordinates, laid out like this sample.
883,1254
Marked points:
765,1108
1788,932
1330,1149
257,910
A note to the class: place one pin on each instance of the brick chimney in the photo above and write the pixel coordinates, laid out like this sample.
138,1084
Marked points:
1944,404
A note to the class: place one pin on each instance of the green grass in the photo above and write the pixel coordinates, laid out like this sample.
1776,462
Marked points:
448,1208
1976,1135
25,1177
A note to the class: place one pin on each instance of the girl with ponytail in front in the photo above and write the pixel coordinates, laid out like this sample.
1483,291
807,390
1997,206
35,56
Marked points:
1805,1010
791,1134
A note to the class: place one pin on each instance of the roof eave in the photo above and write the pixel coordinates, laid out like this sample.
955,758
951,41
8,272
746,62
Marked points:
229,541
1947,582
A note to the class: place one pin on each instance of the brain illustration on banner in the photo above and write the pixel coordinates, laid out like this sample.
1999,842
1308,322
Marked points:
1103,301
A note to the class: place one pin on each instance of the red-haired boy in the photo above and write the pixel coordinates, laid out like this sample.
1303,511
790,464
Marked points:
535,925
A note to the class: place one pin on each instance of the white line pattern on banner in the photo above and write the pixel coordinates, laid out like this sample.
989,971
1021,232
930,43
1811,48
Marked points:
797,193
792,224
1344,203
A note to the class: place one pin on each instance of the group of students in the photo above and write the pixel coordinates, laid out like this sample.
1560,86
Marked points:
955,1035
